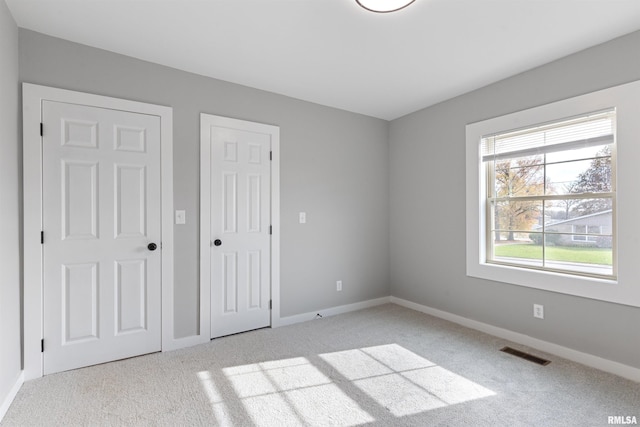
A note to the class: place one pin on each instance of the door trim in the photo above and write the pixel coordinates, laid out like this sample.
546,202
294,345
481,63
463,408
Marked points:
207,120
32,98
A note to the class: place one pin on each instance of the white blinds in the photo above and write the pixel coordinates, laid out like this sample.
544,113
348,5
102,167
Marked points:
585,131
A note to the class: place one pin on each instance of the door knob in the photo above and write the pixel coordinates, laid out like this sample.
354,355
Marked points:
217,242
152,246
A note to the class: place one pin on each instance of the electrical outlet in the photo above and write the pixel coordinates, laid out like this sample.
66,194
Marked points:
538,311
339,285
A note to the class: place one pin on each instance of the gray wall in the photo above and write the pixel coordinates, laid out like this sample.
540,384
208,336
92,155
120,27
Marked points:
427,175
334,166
10,210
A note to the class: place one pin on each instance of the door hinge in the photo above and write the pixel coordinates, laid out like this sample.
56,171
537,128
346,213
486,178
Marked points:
42,237
271,229
270,305
42,345
41,129
270,155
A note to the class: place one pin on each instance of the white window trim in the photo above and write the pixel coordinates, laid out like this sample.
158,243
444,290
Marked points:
626,289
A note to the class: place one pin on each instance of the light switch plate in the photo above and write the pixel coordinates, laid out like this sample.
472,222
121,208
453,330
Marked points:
302,217
181,217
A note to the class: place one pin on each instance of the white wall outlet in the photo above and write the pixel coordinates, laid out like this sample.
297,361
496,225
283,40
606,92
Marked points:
538,311
302,217
181,217
339,285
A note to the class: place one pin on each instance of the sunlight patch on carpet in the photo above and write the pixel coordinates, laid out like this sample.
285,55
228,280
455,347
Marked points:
403,382
294,391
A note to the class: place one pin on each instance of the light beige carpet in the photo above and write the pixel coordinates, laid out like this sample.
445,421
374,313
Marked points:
382,366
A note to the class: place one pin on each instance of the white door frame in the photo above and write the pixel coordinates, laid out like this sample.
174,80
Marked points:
32,98
205,214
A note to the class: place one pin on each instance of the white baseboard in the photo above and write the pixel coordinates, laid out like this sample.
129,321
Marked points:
590,360
290,320
12,395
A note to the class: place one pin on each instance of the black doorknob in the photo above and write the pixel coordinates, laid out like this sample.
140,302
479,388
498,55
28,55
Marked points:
152,246
217,242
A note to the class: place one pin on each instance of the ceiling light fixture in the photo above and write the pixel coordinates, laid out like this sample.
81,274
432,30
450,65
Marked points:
384,6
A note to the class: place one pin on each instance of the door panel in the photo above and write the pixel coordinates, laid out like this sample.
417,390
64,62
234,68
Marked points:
230,202
230,282
254,279
240,218
131,291
131,201
101,201
80,199
80,302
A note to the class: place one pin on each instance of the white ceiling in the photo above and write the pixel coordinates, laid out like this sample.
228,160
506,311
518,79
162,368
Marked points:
334,53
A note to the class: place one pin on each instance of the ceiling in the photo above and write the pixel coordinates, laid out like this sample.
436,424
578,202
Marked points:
333,52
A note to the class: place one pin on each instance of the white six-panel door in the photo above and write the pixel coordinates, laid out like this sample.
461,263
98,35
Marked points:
240,220
102,210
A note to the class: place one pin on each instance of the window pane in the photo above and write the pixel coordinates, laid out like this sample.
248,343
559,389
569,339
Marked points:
572,211
565,178
516,219
526,253
558,210
581,176
523,176
563,253
592,212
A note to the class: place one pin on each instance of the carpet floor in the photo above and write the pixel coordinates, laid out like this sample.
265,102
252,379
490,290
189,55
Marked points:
383,366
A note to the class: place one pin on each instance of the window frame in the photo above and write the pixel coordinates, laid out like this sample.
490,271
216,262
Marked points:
623,289
492,199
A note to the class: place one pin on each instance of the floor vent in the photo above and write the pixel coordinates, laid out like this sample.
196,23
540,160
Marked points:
526,356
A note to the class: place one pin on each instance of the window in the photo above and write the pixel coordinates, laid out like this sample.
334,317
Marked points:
551,196
550,190
585,233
